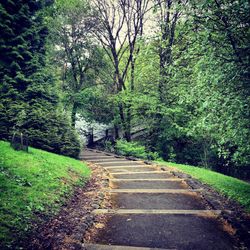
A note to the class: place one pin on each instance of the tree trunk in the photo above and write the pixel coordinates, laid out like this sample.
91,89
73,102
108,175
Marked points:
73,114
126,129
116,132
132,87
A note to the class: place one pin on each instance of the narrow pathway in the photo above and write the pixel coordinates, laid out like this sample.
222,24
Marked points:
153,209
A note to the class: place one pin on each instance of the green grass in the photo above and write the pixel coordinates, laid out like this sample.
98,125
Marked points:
232,188
31,183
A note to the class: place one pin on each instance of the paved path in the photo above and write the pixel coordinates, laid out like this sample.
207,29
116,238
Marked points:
153,209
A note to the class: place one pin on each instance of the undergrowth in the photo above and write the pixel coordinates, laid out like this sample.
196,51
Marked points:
125,148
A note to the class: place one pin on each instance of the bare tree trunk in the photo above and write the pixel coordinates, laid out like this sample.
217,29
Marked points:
129,107
73,114
116,128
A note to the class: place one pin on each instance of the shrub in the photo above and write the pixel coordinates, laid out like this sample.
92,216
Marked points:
134,149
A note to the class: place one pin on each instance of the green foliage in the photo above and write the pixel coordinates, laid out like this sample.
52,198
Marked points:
211,86
31,183
188,88
191,87
97,104
196,116
134,149
76,55
29,100
232,188
55,133
108,145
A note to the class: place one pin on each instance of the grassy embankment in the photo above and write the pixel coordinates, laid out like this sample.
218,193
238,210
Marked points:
232,188
31,183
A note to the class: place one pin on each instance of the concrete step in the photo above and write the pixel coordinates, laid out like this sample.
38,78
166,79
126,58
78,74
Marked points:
96,153
110,247
111,160
94,157
183,201
169,230
129,166
93,153
144,172
153,191
145,180
207,213
141,175
129,169
137,184
122,163
101,160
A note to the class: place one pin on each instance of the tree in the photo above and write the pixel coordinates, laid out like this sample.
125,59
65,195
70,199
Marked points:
170,19
223,29
203,95
29,102
75,50
168,13
120,27
212,91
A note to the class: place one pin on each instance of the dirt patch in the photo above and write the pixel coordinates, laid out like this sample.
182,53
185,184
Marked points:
65,231
92,233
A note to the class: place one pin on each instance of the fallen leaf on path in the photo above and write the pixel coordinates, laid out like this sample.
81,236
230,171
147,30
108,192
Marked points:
99,225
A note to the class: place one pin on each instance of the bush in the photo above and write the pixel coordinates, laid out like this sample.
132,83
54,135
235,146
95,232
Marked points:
134,149
55,135
48,130
108,146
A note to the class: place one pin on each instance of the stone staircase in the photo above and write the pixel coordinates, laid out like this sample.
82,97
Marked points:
153,209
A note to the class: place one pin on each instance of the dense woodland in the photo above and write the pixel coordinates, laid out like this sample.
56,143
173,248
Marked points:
177,69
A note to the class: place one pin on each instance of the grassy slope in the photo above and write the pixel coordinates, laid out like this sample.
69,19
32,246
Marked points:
37,181
232,188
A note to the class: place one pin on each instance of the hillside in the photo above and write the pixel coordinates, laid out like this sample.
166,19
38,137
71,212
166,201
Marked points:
32,183
233,188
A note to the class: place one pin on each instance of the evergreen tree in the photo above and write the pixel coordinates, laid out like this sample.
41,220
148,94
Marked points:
29,100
